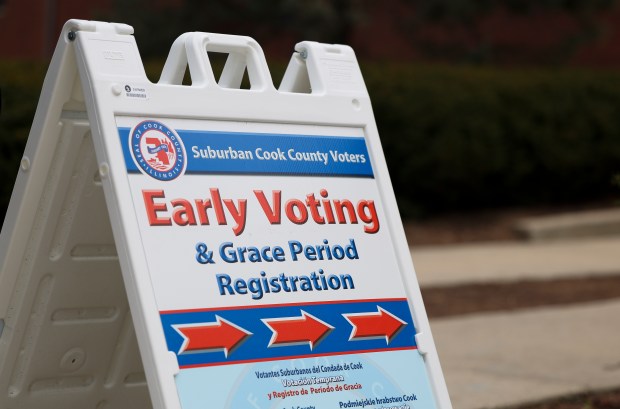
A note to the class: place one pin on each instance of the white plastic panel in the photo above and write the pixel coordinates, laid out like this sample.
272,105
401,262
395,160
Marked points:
68,339
77,257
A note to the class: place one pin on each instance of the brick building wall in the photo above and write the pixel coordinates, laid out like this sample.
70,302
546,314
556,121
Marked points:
29,30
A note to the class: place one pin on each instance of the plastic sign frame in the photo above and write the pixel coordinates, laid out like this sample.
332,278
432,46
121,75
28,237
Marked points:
246,241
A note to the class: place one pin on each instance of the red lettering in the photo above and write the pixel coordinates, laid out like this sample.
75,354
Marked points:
238,214
314,205
329,213
340,205
201,209
152,208
368,214
273,213
183,213
290,207
217,206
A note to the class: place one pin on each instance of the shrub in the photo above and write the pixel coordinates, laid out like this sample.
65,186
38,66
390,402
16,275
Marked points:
21,85
463,138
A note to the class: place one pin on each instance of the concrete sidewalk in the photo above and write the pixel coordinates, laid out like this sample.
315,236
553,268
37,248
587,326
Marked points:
504,359
507,359
600,222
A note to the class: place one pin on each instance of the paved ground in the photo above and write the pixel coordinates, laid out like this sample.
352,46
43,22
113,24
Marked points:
503,359
497,360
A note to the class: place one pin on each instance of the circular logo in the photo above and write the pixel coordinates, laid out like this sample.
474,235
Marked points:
157,150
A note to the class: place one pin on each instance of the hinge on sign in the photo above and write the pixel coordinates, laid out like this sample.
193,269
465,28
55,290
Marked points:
74,25
421,341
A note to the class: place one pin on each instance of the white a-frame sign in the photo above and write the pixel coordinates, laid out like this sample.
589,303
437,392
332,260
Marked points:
206,246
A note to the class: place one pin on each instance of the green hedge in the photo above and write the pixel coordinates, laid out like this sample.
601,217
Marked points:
21,85
454,137
471,138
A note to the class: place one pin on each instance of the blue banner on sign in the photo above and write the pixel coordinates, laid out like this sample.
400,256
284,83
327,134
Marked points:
252,153
237,335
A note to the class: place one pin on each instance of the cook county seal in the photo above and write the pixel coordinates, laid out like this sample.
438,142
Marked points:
157,150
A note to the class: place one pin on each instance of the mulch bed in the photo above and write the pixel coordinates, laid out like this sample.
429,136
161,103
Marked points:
592,400
488,297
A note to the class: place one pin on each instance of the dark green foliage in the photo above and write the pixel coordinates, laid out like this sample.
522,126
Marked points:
316,20
459,138
21,85
454,138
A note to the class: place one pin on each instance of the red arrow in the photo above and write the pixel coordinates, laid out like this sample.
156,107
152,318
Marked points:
369,325
211,336
305,329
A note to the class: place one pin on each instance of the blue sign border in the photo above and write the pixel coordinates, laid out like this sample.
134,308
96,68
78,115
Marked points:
215,152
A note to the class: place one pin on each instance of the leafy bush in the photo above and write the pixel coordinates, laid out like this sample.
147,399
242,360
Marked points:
21,85
459,138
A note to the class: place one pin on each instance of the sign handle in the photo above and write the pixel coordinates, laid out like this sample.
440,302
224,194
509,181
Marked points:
191,50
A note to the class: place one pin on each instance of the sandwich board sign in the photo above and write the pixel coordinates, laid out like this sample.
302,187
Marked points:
177,246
